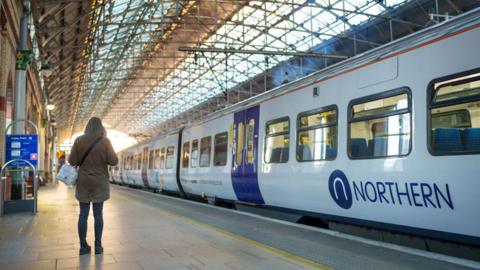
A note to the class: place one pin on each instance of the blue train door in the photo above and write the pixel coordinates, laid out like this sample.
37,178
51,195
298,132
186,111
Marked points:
245,156
145,167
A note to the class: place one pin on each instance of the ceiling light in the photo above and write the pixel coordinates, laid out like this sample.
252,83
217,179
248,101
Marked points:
46,69
50,107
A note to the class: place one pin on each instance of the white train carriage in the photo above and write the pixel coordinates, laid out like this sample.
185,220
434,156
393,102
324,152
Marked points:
151,164
206,161
389,139
164,167
114,174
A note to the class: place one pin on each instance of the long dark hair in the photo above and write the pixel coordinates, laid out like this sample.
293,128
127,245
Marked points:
95,127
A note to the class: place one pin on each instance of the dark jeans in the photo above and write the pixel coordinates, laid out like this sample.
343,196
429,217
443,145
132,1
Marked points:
82,221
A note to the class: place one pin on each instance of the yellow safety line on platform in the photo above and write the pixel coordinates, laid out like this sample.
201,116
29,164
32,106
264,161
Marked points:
294,258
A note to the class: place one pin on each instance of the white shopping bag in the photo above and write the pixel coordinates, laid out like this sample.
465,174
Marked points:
68,175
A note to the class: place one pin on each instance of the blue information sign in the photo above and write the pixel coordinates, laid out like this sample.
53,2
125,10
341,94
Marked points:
22,147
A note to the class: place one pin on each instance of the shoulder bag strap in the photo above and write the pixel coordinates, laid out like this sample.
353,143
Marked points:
88,151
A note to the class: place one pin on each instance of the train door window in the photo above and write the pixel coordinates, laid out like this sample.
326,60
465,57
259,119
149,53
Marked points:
194,155
151,159
169,157
186,154
139,163
250,141
317,134
277,141
380,125
240,143
156,161
220,149
454,114
162,158
205,150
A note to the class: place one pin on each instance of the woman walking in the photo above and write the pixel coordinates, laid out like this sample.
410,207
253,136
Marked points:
93,152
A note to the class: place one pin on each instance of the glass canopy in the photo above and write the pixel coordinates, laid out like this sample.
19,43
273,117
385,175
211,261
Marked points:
128,32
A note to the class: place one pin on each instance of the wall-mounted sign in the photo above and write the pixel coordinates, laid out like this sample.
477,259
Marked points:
22,147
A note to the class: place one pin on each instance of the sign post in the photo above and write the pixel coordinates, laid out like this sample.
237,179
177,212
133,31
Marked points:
21,148
20,171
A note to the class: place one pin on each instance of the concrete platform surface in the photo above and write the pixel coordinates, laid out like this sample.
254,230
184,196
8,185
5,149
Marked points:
150,231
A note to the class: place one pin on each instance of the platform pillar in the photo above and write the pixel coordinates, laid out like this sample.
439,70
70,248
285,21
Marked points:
23,59
3,86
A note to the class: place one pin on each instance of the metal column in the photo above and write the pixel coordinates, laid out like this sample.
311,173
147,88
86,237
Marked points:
23,59
21,71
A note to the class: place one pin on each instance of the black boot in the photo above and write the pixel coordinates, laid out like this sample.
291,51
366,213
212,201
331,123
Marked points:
84,248
98,247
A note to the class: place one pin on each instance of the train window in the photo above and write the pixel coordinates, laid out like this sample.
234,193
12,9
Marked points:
205,150
454,109
139,162
151,158
156,161
162,158
169,157
220,150
250,141
194,155
277,140
380,125
186,154
317,135
240,143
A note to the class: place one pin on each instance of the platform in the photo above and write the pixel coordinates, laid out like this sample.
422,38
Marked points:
144,230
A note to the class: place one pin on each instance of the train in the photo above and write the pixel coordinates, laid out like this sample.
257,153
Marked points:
388,139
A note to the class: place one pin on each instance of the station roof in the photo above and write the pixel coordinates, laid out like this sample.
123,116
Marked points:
139,64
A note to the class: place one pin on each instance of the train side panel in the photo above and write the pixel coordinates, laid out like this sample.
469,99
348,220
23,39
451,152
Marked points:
168,172
203,177
418,191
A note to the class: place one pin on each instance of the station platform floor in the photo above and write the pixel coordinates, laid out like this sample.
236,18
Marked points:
144,230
